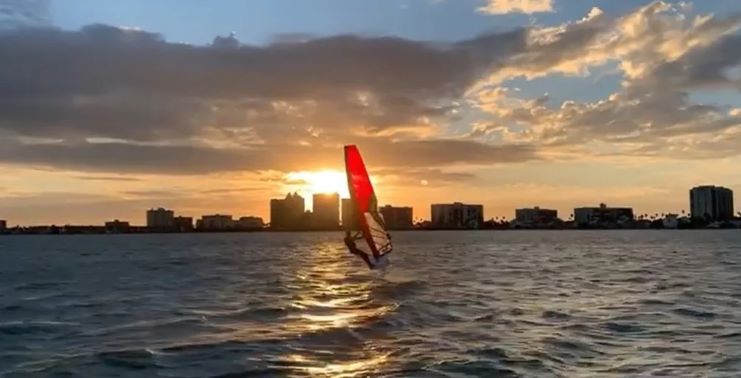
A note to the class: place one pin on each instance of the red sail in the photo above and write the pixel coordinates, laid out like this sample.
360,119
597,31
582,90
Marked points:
364,200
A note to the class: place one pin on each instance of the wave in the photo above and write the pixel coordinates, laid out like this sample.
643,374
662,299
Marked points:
129,359
24,327
694,313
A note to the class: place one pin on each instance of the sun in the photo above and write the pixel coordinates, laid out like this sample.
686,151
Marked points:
326,181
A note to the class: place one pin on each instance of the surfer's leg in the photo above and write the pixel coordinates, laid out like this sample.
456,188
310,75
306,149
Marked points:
363,256
367,260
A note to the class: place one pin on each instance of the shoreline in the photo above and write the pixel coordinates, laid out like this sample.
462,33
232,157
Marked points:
33,232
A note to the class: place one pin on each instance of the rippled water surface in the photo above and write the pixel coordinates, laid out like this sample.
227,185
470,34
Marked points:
490,304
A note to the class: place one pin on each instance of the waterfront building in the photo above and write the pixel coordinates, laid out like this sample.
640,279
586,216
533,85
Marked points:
397,218
250,223
457,216
535,216
183,224
603,216
711,203
117,226
287,213
326,212
160,218
216,222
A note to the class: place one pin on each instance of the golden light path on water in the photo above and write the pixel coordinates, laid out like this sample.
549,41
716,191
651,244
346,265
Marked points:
329,300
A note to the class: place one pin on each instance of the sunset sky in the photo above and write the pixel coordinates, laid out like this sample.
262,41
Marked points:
108,108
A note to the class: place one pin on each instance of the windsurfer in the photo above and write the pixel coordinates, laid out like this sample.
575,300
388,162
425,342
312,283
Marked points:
352,248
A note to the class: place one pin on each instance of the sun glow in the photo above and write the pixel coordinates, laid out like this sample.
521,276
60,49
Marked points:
327,181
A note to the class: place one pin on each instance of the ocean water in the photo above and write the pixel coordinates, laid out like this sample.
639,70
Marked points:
452,304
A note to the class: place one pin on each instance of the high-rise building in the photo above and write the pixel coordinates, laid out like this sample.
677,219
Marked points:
326,214
457,215
349,219
397,218
536,215
711,203
3,225
287,213
160,218
183,224
585,216
216,222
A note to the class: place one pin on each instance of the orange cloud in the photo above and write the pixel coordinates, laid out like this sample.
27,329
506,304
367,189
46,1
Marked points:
517,6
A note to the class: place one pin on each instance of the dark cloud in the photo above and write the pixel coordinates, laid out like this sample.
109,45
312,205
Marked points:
107,178
290,105
102,59
705,67
132,158
176,108
227,191
406,176
441,152
155,193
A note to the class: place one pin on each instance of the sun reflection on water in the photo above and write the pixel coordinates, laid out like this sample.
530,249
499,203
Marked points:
349,369
331,298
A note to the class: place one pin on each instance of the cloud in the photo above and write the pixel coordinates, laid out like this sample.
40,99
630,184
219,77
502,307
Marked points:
227,191
29,13
517,6
148,193
422,176
107,178
106,82
192,160
103,59
663,54
639,41
108,99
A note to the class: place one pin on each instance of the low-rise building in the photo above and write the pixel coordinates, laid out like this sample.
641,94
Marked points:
397,218
670,221
183,224
457,216
250,223
535,216
216,222
603,216
116,226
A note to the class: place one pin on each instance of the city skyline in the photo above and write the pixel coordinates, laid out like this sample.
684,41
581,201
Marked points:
291,213
422,210
106,109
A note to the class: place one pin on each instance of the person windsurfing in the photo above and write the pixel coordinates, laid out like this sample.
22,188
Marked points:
366,218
